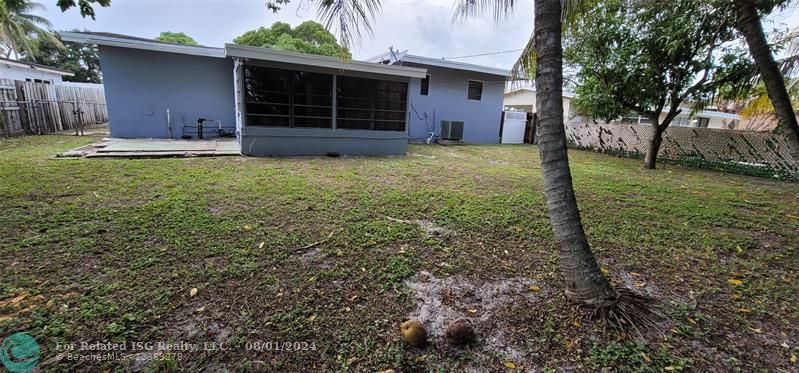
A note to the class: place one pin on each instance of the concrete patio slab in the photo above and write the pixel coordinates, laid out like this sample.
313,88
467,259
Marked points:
155,148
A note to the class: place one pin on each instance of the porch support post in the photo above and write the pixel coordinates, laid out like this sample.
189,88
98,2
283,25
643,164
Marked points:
333,102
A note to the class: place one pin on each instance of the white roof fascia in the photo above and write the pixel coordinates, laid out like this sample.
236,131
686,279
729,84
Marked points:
141,44
566,94
234,50
443,63
455,65
717,114
39,68
707,114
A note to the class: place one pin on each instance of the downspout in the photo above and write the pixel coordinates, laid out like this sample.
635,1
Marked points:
169,124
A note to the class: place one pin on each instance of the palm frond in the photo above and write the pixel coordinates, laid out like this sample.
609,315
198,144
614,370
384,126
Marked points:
789,65
349,18
524,67
38,20
499,9
762,103
18,26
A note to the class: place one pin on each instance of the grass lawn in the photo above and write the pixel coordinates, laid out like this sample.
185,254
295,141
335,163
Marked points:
301,250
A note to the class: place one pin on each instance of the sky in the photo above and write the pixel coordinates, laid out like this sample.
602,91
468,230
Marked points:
423,27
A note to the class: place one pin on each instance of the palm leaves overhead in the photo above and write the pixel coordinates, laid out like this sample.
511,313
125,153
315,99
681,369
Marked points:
761,104
524,67
18,27
349,18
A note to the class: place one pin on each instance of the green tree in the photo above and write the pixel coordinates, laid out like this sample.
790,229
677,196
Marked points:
309,37
176,38
85,6
654,60
18,26
81,59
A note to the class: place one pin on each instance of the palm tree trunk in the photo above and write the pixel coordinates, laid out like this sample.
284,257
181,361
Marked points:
584,282
749,24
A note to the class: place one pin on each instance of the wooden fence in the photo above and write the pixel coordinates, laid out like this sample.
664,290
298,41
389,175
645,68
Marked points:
37,108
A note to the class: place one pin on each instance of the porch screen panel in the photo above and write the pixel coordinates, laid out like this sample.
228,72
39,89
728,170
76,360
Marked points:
370,104
284,98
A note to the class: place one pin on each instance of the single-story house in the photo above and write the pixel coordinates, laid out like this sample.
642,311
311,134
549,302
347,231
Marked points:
31,72
283,103
522,98
452,91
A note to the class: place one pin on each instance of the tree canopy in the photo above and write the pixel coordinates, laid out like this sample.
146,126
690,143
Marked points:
644,57
176,38
81,59
309,37
651,59
85,6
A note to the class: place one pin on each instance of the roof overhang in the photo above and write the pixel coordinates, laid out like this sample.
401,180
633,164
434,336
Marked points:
36,67
449,64
455,65
264,54
110,41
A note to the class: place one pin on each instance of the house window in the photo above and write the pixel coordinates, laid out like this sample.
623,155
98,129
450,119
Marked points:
475,90
368,104
702,122
286,98
425,88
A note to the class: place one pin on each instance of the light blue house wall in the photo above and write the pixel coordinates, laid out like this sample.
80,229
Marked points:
447,100
141,85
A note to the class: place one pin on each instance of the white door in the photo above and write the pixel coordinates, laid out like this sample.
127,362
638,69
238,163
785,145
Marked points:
513,127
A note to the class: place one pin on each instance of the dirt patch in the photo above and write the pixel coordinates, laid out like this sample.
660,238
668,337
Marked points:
428,227
441,300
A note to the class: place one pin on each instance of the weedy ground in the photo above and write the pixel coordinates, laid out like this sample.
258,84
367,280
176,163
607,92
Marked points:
303,250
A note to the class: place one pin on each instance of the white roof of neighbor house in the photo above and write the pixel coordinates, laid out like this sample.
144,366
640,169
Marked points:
708,114
34,66
717,114
266,54
440,62
126,41
566,93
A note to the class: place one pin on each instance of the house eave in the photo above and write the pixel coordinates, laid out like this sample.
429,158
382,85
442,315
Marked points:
36,67
264,54
455,65
78,37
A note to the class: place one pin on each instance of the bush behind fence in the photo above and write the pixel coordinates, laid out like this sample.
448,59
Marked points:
750,153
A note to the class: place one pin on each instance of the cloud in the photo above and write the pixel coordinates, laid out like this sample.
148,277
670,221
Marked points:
424,27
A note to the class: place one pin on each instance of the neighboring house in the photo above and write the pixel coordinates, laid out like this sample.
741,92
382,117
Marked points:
31,72
286,103
759,122
702,119
523,99
452,91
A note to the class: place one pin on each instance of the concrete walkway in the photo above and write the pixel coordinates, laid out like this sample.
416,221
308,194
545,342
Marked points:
155,148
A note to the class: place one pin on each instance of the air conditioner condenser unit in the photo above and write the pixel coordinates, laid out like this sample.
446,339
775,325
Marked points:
451,130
